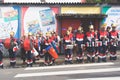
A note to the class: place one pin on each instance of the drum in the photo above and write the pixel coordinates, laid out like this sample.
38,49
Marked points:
34,51
7,43
52,52
69,46
15,48
27,45
55,47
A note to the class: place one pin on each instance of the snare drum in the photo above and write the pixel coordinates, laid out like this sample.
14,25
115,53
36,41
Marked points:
69,46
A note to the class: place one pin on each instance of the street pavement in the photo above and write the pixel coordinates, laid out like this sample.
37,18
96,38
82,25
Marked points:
89,71
83,71
59,61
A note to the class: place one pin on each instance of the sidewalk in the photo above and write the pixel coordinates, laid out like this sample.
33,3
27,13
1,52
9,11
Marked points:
58,61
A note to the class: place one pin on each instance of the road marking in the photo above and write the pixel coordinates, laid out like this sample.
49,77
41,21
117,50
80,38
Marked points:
70,66
67,72
99,78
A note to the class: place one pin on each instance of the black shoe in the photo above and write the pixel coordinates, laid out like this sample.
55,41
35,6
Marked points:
99,60
31,65
70,62
28,65
115,58
80,60
88,60
111,58
66,62
93,59
77,60
104,60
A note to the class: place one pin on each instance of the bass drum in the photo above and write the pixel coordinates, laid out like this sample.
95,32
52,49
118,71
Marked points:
7,43
27,44
52,52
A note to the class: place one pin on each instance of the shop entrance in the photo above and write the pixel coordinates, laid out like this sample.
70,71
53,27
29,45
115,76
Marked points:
75,23
87,22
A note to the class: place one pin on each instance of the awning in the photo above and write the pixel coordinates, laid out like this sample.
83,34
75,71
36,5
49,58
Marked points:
100,16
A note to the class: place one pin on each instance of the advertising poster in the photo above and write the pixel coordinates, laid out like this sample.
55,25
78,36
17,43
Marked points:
113,13
9,21
35,19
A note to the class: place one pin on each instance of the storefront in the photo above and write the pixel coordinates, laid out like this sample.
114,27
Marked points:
79,16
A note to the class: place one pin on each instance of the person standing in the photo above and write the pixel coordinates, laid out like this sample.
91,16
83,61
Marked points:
41,45
68,41
79,41
103,43
28,46
90,44
23,52
113,42
36,46
12,50
47,43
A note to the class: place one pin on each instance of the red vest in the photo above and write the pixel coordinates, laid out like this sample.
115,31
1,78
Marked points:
79,37
114,34
103,34
90,35
36,43
67,39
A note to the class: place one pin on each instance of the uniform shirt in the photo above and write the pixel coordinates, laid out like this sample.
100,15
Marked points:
79,38
102,34
113,35
67,39
90,36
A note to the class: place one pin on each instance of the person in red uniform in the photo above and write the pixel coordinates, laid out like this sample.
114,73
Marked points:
96,43
90,44
36,46
103,42
23,52
47,42
29,55
113,42
108,29
41,45
12,50
68,41
79,40
55,43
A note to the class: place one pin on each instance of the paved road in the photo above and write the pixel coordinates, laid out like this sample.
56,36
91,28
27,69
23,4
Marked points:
90,71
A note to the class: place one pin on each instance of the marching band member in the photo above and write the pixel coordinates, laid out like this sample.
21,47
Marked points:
90,43
48,57
28,52
36,46
1,54
108,33
41,45
114,42
80,44
96,43
67,40
12,50
23,52
103,41
55,42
